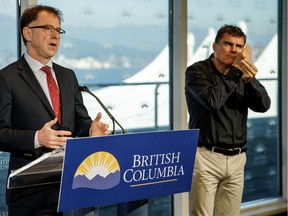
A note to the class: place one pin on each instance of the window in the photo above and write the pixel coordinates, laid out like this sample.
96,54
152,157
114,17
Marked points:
258,19
119,50
8,53
8,36
121,54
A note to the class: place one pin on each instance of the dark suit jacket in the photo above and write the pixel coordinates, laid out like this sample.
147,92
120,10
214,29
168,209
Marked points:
24,109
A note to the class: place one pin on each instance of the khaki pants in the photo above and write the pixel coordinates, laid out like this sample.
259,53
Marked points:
217,184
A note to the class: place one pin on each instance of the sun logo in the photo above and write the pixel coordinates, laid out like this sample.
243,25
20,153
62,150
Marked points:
99,170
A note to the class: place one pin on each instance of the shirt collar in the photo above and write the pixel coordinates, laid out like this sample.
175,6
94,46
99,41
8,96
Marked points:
34,64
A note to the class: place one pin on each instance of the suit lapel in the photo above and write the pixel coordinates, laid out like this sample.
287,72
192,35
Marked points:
32,81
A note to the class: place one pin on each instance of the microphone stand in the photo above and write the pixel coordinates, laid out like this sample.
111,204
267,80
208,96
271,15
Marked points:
86,89
122,208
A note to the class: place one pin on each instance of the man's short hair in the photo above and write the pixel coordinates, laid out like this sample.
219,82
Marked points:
31,14
231,30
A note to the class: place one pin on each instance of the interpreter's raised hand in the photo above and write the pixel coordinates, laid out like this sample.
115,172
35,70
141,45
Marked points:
249,70
246,53
243,62
51,138
99,128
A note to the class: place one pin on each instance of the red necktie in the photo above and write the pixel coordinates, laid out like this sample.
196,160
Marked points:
54,92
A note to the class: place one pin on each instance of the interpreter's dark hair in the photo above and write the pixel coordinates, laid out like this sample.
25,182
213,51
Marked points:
31,14
231,30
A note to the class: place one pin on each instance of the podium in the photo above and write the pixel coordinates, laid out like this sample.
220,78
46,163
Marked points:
46,169
99,171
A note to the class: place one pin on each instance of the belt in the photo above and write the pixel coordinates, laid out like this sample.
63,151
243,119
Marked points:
224,151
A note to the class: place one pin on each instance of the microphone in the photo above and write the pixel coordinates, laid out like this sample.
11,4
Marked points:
86,89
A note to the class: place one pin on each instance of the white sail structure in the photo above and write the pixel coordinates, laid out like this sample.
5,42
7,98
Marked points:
146,105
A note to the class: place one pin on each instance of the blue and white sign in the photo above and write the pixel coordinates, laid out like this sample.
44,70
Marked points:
120,168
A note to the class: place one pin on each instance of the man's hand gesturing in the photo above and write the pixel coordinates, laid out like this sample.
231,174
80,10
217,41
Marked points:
243,62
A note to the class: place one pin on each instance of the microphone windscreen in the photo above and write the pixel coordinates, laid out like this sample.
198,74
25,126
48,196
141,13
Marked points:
82,88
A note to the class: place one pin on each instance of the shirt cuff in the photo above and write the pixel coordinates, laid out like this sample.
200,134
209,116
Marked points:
234,74
36,142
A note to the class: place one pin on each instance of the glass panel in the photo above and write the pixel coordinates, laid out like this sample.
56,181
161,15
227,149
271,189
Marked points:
8,29
121,54
119,49
8,53
258,19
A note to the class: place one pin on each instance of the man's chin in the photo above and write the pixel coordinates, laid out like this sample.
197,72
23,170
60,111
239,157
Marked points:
230,61
52,52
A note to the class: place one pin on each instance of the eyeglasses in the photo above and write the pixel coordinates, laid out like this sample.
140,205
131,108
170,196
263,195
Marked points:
49,29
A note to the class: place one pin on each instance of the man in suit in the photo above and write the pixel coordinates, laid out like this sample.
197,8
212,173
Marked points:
29,122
